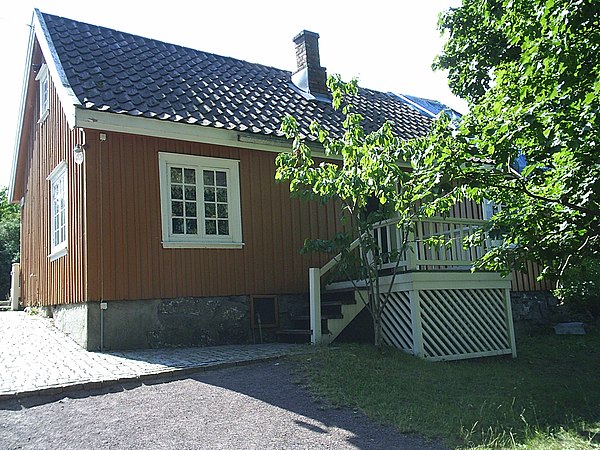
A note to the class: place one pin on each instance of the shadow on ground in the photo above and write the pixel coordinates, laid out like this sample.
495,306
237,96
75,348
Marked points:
253,406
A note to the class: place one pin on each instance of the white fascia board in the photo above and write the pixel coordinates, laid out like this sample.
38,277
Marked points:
68,99
144,126
21,117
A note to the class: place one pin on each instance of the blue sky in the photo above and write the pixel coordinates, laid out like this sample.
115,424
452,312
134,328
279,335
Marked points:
388,46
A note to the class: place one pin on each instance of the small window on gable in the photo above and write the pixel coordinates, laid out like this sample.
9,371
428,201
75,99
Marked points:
58,211
200,201
44,91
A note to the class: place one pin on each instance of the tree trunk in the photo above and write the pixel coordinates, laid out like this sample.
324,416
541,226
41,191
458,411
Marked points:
377,329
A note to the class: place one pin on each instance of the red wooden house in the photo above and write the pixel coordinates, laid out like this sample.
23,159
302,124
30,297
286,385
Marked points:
145,171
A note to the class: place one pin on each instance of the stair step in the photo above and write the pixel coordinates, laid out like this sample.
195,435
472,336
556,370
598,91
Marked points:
323,317
332,303
296,336
341,297
340,290
295,332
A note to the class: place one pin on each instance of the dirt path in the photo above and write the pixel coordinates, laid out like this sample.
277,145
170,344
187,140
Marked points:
251,407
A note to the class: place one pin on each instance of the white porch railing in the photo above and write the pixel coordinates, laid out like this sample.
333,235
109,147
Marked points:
420,255
417,255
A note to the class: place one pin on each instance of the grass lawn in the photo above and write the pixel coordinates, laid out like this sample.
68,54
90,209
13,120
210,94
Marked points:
547,398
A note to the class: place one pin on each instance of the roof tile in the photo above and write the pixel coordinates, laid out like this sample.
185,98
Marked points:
109,70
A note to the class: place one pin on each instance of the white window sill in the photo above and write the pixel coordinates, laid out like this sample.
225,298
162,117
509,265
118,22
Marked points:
223,245
58,253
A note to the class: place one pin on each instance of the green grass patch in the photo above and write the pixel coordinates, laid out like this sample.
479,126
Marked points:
547,398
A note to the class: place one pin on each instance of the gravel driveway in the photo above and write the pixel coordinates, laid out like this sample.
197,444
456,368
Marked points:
257,406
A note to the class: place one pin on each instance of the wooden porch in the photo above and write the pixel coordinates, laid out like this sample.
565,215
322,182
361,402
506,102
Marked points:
436,308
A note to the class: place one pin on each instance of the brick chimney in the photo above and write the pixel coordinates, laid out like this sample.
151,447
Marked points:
310,77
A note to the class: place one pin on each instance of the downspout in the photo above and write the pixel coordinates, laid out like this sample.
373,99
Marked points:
85,229
103,304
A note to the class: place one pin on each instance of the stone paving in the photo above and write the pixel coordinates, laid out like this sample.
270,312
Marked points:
36,358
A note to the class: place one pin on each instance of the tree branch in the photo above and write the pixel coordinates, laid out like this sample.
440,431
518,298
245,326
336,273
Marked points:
525,190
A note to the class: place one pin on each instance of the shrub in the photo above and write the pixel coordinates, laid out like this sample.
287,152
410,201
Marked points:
580,289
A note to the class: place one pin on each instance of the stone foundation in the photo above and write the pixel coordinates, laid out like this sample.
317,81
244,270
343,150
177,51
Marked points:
180,322
534,306
72,320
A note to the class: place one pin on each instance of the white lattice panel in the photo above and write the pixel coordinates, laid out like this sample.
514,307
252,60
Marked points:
451,316
396,320
463,323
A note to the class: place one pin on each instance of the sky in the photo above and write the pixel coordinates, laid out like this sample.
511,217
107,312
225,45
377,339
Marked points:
387,45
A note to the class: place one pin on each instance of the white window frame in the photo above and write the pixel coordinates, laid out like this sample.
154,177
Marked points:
201,240
44,92
58,177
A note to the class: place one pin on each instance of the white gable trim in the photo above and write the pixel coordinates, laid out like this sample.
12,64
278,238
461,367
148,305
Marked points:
68,99
21,117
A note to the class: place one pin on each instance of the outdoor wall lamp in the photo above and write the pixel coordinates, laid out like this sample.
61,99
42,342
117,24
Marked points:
78,154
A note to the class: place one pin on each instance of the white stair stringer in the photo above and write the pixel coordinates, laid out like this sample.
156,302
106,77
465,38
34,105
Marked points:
349,312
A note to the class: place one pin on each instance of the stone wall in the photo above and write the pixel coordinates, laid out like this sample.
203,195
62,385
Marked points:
534,312
534,306
202,321
179,322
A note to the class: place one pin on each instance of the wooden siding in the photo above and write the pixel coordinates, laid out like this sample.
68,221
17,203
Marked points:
43,146
526,280
126,259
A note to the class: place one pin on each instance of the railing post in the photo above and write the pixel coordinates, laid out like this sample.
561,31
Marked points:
314,284
411,251
15,286
509,322
417,324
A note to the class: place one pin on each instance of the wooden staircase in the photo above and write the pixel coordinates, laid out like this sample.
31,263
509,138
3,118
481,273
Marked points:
5,305
338,308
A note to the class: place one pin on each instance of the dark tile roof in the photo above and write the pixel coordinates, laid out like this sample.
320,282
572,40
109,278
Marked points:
122,73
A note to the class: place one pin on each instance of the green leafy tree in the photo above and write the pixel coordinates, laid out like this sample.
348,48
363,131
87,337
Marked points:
9,240
530,71
580,288
369,183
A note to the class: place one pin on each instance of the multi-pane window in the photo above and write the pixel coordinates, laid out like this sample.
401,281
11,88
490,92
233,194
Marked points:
184,205
58,211
200,201
44,91
216,206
